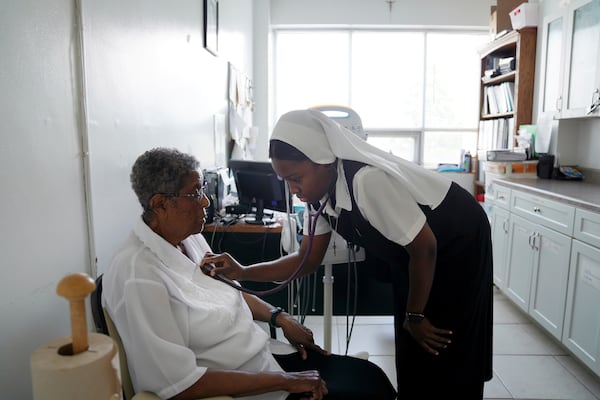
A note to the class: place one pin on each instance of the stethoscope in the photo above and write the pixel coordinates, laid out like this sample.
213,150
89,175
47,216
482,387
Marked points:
312,226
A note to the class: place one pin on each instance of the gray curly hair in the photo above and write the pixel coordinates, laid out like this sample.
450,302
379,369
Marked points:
160,170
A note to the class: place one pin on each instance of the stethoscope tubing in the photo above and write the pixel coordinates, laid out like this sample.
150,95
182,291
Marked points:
312,225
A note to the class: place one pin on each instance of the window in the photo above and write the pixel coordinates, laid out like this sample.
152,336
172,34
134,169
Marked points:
417,92
311,69
387,78
401,144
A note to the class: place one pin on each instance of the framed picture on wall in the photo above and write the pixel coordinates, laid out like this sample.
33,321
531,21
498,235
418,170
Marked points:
211,26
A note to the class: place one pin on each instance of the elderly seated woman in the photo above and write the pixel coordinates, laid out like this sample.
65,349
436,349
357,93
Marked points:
188,335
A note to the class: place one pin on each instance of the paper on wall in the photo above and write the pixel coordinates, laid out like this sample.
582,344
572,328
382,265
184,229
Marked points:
544,132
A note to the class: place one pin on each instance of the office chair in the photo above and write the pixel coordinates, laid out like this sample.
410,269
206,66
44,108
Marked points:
345,116
104,324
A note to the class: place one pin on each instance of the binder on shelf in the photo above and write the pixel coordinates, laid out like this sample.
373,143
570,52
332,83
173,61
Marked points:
505,155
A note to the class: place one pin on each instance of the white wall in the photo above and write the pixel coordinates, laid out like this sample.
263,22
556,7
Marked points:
43,232
141,79
474,13
578,142
149,82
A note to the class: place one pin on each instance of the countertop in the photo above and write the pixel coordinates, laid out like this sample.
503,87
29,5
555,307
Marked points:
580,194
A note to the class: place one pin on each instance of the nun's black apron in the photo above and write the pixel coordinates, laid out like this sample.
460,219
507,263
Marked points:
461,297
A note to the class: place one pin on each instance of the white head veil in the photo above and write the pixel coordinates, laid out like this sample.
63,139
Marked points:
323,140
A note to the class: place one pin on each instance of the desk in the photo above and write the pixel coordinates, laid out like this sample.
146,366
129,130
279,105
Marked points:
242,227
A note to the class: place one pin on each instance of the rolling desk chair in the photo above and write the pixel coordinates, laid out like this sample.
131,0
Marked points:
337,253
344,116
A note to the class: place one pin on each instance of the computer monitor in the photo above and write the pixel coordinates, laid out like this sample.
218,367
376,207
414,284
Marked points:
259,186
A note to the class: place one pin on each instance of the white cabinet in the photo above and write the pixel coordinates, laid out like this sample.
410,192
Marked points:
499,218
520,261
538,270
550,213
540,249
587,227
551,69
581,332
552,251
551,266
500,224
570,67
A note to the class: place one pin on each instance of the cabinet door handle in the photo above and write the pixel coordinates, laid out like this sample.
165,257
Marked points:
536,245
530,240
537,209
595,102
505,226
559,103
500,197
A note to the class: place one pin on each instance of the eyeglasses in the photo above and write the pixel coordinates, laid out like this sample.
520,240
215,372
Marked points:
200,193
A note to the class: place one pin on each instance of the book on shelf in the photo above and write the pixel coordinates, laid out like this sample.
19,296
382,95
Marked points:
496,133
498,99
509,88
506,65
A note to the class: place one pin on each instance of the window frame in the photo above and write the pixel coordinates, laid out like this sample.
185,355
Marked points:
417,133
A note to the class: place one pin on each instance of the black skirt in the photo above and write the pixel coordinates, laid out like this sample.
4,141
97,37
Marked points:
461,297
347,378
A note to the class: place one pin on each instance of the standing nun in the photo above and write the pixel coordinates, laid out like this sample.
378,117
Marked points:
432,235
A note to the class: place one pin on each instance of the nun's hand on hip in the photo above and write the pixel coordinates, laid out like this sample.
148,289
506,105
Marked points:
430,338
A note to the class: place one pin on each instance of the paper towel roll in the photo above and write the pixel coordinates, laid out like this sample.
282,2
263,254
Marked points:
90,375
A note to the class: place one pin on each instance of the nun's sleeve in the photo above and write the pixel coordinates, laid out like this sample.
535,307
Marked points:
387,205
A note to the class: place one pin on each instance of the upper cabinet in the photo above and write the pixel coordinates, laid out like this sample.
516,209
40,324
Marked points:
570,69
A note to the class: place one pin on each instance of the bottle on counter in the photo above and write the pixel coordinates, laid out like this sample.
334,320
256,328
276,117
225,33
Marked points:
466,162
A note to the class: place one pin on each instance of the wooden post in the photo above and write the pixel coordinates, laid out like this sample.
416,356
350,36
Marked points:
75,288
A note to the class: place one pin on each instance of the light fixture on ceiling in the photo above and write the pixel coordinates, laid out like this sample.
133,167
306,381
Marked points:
390,3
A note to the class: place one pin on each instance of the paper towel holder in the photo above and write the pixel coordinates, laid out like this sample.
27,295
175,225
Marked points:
75,288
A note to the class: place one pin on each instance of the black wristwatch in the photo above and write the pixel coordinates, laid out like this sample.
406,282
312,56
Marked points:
274,313
414,318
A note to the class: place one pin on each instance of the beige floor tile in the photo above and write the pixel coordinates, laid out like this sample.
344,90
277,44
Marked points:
495,389
528,364
505,312
582,373
538,377
377,340
524,339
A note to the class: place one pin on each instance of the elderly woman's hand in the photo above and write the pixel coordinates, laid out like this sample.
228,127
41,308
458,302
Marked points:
298,335
224,264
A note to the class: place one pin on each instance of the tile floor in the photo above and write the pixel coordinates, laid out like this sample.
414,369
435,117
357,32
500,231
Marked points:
528,364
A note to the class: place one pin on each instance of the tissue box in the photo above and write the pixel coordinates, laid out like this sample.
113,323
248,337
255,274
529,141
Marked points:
524,15
500,16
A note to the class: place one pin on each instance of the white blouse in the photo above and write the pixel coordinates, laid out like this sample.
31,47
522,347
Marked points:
175,322
387,205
